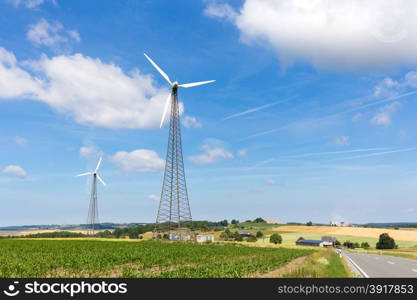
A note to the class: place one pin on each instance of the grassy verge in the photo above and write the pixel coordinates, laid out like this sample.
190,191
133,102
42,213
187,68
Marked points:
410,253
321,264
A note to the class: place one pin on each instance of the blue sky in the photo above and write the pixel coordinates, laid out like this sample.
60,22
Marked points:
311,117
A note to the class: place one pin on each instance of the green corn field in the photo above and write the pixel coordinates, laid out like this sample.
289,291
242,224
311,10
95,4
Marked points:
95,258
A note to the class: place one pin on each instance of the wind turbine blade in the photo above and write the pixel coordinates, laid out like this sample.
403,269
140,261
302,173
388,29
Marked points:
101,180
188,85
165,109
99,163
84,174
159,69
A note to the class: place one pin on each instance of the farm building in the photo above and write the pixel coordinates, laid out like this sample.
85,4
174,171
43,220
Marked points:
202,238
312,243
328,241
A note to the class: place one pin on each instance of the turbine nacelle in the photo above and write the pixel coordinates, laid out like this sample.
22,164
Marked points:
175,85
95,172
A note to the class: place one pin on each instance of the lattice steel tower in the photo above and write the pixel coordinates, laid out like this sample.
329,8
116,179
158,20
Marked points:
92,218
174,207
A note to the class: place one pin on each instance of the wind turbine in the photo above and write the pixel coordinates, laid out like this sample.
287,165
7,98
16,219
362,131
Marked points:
92,218
174,206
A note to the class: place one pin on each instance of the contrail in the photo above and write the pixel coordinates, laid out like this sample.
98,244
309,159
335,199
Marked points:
332,115
255,109
375,154
338,152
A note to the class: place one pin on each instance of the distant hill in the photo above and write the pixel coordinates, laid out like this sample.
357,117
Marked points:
392,225
70,227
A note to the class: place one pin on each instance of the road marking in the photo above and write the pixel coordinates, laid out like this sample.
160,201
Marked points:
356,266
390,262
414,270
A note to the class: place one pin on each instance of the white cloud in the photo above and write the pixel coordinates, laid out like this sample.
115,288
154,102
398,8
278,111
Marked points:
90,91
346,34
28,3
21,141
213,151
89,151
153,197
271,181
217,10
242,152
389,87
191,122
140,160
342,140
51,35
15,171
384,115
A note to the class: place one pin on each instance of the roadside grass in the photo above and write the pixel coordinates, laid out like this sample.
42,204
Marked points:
324,263
410,253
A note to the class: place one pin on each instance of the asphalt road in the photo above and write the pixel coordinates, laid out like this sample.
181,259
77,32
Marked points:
377,266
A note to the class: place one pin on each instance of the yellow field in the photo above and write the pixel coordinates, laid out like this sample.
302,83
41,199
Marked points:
400,234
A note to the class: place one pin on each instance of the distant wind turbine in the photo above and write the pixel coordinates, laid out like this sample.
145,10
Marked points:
92,218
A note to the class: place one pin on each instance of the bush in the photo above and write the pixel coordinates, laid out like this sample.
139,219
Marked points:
259,234
365,245
385,242
309,223
337,243
251,239
275,238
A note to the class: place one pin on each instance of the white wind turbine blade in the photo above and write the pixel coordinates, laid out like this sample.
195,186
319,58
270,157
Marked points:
101,180
188,85
98,164
159,69
165,110
84,174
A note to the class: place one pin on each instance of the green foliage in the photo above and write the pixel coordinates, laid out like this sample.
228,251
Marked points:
259,220
309,223
251,239
337,243
365,245
234,222
56,234
237,236
385,242
275,238
94,258
259,234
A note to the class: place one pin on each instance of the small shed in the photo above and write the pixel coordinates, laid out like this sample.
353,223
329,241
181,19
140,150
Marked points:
203,238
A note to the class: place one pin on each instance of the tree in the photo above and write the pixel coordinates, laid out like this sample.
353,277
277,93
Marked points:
259,234
337,243
348,244
259,220
237,236
275,238
234,222
309,223
224,235
364,245
385,242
